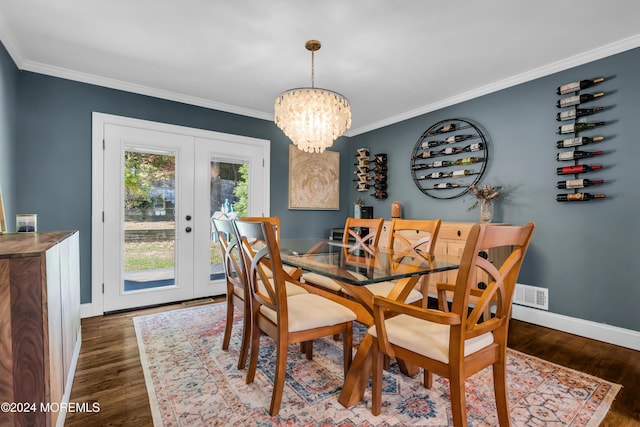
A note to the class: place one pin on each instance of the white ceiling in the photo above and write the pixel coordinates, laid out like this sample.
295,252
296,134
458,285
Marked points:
392,59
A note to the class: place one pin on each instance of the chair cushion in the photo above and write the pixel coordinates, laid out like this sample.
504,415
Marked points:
322,281
238,291
383,289
289,269
309,311
292,289
427,338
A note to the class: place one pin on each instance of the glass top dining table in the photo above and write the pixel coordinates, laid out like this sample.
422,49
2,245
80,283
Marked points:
358,265
352,267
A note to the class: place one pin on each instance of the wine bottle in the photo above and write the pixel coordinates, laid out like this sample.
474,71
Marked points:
577,169
449,150
361,170
445,185
449,127
575,155
578,197
575,142
578,127
380,194
363,187
382,186
425,155
364,162
435,175
577,99
457,138
579,85
578,183
461,172
441,164
381,158
467,161
380,169
575,113
420,166
474,147
431,144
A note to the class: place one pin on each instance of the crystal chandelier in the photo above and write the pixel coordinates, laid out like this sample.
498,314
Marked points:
312,118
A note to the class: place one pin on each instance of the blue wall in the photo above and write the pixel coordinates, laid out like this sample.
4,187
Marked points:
585,253
8,102
53,150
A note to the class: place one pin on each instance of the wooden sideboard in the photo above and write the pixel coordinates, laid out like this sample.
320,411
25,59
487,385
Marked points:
39,324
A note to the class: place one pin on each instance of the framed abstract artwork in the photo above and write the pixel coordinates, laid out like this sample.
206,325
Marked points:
314,180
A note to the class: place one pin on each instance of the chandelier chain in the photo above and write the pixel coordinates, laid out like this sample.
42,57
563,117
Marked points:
313,70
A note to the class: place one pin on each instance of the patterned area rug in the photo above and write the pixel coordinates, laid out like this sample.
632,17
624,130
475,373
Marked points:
192,382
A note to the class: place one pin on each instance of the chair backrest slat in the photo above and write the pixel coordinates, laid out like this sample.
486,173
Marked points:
417,236
501,279
353,229
233,260
261,235
273,220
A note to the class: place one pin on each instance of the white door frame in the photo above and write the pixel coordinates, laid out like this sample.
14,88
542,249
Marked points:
99,121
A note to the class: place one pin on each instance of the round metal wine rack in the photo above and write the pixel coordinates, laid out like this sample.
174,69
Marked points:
448,158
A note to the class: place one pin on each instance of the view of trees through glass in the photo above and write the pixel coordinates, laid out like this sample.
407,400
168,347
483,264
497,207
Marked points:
149,210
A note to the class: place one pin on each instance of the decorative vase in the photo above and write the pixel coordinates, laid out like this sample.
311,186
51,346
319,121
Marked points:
486,210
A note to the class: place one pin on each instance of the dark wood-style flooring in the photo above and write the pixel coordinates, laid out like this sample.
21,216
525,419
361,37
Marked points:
109,370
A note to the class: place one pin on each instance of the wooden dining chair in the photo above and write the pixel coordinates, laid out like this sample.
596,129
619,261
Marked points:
411,237
287,319
454,343
237,287
275,223
273,220
361,234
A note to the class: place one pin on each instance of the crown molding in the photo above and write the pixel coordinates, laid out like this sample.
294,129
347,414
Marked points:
68,74
570,62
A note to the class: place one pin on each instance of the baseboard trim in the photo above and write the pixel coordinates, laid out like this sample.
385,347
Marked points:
584,328
66,398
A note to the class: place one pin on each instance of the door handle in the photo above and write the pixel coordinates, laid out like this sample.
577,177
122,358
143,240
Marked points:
188,229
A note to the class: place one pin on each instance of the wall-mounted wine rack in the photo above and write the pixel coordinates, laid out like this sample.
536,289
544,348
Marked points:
448,158
364,180
572,125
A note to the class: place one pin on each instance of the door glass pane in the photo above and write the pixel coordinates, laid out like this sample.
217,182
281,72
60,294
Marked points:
149,220
229,199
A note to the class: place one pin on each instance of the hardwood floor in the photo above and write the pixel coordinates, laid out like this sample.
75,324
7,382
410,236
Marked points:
109,370
619,365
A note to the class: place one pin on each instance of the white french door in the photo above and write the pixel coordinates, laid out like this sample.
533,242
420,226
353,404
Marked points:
218,165
161,186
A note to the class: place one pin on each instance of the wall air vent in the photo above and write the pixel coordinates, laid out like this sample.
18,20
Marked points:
532,296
